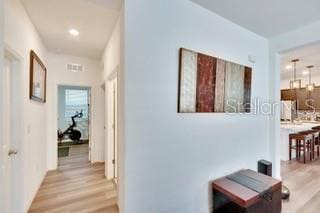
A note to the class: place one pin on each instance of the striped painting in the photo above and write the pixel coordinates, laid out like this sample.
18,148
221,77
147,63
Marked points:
209,84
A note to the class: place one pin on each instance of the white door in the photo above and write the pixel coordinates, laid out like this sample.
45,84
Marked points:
115,130
89,124
112,130
11,136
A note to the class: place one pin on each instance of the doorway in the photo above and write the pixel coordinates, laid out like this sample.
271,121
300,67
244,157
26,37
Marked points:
11,145
112,128
73,125
300,92
299,114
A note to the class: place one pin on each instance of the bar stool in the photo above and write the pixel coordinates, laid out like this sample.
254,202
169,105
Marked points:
315,140
318,142
303,143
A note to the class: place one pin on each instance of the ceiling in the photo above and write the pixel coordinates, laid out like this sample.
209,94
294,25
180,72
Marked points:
94,19
308,55
266,18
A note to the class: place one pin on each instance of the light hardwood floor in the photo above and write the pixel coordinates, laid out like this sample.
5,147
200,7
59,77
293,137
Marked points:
303,180
76,187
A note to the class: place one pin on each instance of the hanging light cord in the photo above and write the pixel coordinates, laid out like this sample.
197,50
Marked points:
310,70
310,75
295,71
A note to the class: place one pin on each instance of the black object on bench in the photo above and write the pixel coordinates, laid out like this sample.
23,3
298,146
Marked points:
265,167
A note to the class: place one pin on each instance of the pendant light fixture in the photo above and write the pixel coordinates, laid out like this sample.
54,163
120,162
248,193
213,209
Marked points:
295,84
310,86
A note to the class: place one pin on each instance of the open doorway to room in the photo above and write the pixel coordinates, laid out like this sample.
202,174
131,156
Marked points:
300,126
73,125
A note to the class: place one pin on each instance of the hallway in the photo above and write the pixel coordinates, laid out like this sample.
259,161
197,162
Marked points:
77,186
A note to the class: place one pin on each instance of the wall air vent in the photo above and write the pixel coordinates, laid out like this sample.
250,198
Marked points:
75,67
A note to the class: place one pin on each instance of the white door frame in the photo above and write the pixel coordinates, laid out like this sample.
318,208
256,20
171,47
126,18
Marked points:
111,120
2,204
12,137
277,49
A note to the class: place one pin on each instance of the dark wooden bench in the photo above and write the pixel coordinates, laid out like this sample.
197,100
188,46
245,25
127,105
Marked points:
237,194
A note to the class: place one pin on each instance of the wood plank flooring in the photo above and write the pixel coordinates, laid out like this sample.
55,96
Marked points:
303,180
76,187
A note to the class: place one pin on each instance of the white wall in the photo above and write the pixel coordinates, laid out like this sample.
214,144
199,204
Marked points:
21,37
91,77
111,56
170,158
110,61
303,36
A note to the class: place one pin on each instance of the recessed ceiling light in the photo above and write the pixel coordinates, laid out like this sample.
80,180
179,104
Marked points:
288,67
74,32
306,72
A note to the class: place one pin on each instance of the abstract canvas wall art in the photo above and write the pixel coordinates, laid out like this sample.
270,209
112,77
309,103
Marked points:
209,84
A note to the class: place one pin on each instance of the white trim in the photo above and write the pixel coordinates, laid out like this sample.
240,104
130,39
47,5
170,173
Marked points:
1,98
113,74
109,135
11,53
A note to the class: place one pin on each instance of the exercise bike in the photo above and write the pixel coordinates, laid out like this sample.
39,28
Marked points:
71,132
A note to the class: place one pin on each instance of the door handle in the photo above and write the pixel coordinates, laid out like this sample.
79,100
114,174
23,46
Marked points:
12,152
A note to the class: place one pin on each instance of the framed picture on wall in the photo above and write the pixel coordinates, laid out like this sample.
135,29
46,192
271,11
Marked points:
38,77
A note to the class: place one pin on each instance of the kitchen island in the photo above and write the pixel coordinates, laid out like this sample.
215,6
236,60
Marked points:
289,128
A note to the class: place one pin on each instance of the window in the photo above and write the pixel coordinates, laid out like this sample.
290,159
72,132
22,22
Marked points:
76,100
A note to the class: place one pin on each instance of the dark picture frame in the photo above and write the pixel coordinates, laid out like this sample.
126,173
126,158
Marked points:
38,78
